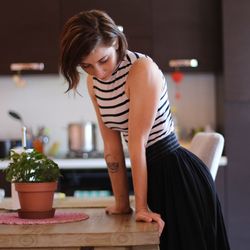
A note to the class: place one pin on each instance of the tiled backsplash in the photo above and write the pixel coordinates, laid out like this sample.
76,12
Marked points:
42,102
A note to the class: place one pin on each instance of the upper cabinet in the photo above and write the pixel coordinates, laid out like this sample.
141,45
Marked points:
162,29
185,30
236,36
134,16
29,33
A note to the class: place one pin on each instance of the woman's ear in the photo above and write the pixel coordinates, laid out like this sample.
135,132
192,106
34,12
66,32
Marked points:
116,44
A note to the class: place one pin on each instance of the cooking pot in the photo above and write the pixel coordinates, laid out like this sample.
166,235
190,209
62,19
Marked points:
82,137
7,145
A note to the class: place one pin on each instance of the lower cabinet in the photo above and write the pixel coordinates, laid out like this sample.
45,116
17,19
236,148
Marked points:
88,182
79,183
5,184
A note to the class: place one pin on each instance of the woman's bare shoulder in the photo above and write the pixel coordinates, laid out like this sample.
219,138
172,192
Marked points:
143,62
144,70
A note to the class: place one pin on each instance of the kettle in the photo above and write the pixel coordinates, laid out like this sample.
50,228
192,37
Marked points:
82,137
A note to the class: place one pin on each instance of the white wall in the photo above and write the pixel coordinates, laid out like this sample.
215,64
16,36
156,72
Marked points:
196,107
43,102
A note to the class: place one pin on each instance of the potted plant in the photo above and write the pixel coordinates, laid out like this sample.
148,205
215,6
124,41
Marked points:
35,177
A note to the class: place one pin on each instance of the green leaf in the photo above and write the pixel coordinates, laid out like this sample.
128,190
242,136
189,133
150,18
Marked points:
31,166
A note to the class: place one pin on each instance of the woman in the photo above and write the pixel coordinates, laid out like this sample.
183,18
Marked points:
129,93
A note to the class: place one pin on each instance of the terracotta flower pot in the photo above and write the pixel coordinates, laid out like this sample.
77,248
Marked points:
36,197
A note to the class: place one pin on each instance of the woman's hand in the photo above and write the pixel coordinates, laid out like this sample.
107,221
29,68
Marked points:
146,216
115,210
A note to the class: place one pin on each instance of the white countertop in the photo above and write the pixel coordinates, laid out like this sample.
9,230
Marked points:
90,163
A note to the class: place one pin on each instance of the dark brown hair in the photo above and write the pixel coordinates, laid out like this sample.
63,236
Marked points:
80,35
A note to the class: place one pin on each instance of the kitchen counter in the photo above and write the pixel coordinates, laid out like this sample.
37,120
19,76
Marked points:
95,163
100,231
77,163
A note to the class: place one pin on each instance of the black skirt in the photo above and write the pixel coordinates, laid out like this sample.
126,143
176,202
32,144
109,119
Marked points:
182,191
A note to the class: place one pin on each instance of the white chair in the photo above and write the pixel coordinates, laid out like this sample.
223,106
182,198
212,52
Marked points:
208,146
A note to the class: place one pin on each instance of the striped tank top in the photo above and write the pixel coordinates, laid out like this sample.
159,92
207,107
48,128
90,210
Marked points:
113,102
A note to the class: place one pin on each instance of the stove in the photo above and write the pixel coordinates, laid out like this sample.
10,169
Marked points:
84,155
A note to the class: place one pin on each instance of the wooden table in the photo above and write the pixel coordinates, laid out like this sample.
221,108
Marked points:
99,232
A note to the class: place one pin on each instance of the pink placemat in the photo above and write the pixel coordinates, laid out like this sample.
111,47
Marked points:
60,217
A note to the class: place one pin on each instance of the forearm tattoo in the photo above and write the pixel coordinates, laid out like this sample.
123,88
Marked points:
113,165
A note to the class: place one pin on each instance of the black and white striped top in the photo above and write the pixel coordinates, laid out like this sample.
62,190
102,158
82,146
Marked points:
114,103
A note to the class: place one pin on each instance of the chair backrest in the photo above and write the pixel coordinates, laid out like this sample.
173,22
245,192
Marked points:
208,146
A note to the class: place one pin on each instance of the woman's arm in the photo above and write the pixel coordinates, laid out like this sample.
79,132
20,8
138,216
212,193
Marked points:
114,156
144,83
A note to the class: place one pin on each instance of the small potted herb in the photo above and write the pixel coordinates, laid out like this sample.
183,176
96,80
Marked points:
35,177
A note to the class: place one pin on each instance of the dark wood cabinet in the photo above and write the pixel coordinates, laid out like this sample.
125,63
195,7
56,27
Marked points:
237,122
29,33
162,29
88,179
237,50
173,29
135,17
185,30
236,106
5,184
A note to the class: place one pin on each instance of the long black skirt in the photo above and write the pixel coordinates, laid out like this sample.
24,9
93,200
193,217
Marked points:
182,191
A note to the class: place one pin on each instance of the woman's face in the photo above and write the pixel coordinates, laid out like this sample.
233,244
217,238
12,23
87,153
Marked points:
101,62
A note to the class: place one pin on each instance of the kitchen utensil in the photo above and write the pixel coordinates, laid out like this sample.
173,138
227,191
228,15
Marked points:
28,131
16,116
24,137
88,137
75,137
82,137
